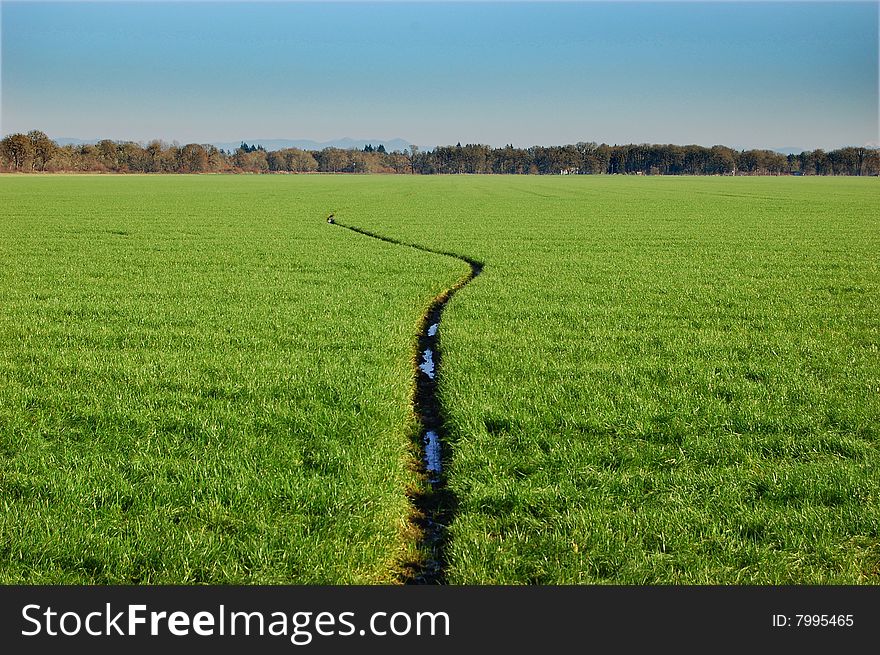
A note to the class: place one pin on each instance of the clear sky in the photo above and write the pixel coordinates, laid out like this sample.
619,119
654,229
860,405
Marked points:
743,74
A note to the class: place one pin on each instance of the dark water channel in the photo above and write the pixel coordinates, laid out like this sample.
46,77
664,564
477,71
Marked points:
434,505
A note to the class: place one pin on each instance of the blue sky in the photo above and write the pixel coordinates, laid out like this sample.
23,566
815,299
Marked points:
744,74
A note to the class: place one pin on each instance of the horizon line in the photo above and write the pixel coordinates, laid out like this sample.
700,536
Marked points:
871,145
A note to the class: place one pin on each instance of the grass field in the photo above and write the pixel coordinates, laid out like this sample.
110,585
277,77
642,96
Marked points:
654,380
201,382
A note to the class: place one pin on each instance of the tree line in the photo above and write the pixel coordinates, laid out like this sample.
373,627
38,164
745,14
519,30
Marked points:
36,152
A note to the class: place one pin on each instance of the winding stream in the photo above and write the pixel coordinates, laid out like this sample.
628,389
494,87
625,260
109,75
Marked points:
435,506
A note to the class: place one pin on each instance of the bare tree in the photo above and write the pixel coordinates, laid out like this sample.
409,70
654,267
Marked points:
43,149
412,155
17,149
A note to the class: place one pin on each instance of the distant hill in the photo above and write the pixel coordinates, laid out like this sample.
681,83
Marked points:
307,144
789,150
67,141
277,144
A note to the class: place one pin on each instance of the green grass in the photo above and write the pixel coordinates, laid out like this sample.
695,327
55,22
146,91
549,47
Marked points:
659,380
202,382
654,380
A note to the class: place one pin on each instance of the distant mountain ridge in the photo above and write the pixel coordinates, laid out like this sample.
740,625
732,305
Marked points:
790,150
345,143
68,141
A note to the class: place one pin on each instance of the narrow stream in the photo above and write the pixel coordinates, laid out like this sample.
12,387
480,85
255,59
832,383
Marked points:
435,505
